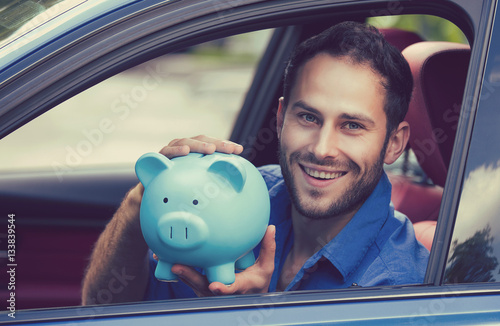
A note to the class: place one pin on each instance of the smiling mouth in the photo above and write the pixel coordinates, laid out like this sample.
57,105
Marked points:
322,175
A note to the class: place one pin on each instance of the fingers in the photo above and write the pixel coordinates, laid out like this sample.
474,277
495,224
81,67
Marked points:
267,250
193,279
218,288
200,144
256,278
172,151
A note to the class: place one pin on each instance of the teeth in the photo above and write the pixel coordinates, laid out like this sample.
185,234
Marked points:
322,175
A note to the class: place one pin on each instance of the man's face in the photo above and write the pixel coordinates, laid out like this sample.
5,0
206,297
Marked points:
332,136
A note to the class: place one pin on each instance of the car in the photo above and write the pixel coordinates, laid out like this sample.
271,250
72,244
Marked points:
87,86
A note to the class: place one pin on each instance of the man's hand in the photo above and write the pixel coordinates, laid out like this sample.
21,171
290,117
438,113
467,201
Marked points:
254,279
200,144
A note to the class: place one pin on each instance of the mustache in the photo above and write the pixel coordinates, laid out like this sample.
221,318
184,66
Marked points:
329,162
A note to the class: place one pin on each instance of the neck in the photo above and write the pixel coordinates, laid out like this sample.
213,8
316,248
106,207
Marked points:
310,235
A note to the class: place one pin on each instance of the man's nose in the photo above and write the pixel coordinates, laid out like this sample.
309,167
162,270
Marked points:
327,143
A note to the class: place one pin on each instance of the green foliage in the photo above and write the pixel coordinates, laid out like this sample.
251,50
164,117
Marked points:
430,28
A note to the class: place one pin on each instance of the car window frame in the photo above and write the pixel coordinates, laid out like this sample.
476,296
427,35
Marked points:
212,22
454,180
476,109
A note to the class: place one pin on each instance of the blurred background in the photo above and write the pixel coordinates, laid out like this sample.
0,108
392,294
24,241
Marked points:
199,90
196,91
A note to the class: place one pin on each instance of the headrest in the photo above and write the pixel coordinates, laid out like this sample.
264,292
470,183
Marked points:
398,38
439,72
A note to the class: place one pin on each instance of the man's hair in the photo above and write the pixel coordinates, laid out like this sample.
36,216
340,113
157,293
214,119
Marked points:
363,44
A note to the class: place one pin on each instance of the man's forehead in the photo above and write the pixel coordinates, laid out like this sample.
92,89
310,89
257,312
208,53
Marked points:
327,81
347,61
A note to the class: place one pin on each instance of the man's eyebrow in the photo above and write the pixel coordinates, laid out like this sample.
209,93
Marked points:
304,106
358,117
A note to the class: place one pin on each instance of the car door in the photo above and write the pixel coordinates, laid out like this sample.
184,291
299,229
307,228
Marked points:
41,206
62,201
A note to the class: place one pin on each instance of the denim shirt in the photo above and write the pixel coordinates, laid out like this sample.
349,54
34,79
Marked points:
377,247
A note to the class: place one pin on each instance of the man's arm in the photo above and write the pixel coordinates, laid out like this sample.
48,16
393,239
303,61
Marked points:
118,269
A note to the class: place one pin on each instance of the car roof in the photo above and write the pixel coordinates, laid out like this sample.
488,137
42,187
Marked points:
48,24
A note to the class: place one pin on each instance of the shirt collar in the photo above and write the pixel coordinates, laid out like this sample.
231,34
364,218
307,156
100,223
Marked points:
357,236
279,195
347,249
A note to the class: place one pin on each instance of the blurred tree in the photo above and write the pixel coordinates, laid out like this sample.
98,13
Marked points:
472,260
430,28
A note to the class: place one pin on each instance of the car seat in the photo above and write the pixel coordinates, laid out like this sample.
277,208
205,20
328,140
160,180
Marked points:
439,72
399,38
404,189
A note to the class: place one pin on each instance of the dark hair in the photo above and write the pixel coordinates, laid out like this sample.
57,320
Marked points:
363,44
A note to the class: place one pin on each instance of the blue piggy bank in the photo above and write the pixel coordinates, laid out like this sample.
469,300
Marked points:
207,211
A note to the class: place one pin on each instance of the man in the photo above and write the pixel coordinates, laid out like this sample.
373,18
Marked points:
346,92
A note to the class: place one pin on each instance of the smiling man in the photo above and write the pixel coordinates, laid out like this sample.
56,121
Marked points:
341,118
346,92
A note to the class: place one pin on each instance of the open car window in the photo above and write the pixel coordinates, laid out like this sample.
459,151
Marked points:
196,90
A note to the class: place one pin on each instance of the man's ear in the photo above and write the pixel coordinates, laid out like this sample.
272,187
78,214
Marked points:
280,116
397,143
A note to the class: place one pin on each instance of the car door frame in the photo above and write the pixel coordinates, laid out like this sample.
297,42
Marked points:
211,21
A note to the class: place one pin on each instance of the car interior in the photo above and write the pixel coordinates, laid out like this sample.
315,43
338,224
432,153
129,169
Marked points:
62,220
439,70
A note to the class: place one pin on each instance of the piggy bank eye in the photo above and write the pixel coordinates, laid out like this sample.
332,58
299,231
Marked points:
195,202
165,200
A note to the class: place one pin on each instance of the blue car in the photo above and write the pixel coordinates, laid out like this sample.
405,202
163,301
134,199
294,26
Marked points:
88,86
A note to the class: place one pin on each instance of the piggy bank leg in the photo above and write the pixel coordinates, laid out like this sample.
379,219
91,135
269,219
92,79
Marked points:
245,261
164,273
221,273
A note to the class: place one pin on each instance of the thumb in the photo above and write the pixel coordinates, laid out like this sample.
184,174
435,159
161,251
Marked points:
268,249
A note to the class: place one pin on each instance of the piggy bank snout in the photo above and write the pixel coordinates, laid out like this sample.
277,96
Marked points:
182,230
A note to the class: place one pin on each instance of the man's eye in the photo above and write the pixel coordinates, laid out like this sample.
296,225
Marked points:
308,117
353,126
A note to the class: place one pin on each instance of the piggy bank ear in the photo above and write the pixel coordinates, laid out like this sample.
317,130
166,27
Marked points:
149,165
230,170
